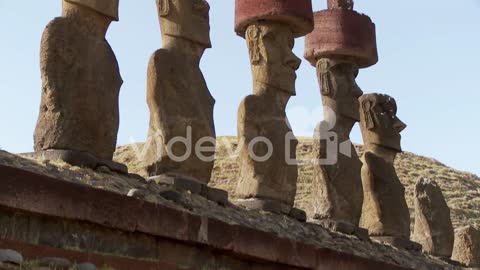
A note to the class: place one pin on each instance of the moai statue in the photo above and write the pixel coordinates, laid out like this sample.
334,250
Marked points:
79,114
342,42
181,137
433,225
385,212
268,171
467,247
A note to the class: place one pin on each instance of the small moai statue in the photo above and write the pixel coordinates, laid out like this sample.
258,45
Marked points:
433,225
79,111
268,170
466,248
385,212
342,42
181,136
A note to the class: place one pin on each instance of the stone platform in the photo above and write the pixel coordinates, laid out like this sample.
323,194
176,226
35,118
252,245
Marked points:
273,207
75,158
184,183
399,243
343,227
44,216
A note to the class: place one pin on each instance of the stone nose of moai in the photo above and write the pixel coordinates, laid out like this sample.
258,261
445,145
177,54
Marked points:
296,13
342,32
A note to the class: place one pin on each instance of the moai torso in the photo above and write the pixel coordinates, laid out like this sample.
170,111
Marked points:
179,100
81,83
273,178
385,211
181,107
337,188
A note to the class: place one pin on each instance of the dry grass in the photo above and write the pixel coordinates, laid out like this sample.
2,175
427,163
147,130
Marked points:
461,189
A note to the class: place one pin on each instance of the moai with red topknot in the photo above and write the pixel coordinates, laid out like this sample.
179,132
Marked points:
268,170
342,42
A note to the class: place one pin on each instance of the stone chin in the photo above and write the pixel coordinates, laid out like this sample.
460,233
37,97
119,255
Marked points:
199,34
183,21
353,111
348,109
282,78
107,8
392,142
200,41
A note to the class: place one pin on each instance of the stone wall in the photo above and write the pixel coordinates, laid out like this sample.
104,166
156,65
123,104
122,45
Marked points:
43,216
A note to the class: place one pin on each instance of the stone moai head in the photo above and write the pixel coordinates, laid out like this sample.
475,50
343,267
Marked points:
273,63
270,28
108,8
187,19
339,89
379,122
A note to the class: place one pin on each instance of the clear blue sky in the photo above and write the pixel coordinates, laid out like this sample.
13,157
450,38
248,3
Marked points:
429,61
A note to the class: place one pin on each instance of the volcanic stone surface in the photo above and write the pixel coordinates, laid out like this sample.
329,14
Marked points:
433,225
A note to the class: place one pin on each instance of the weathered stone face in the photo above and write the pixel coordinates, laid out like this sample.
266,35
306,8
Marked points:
385,211
81,83
273,62
467,246
181,137
106,7
379,122
433,226
187,19
265,172
339,89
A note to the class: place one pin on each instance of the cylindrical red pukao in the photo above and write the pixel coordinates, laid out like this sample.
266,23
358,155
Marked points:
342,32
296,13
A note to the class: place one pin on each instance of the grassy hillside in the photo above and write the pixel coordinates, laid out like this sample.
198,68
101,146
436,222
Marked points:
461,189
